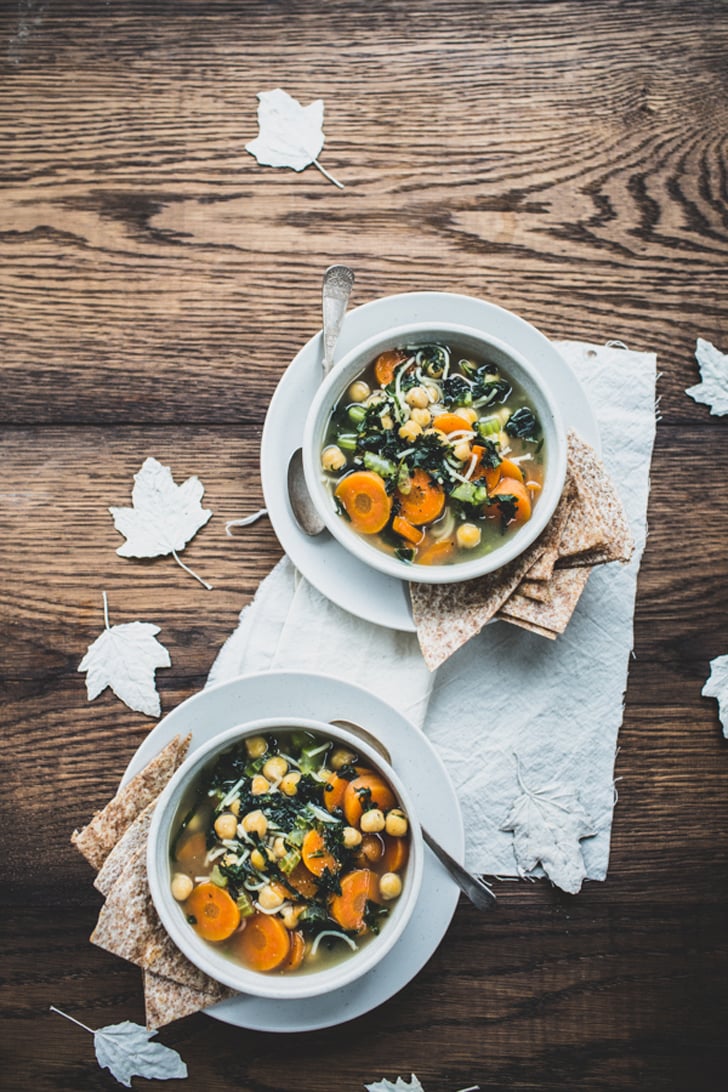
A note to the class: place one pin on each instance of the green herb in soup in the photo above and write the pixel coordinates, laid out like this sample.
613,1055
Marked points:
434,456
289,852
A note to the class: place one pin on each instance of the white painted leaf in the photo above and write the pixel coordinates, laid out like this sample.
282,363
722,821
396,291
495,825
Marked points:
290,135
713,390
164,517
717,687
548,826
400,1085
124,1049
125,658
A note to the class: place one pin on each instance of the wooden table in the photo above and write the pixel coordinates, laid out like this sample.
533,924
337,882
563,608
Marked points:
564,160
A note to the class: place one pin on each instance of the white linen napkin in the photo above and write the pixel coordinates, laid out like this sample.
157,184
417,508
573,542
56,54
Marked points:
510,707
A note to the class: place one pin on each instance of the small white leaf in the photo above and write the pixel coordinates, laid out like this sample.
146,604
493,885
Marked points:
290,135
400,1085
547,826
717,687
713,390
124,1049
164,516
125,658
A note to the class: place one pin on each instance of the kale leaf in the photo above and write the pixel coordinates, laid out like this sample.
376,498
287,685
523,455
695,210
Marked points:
523,424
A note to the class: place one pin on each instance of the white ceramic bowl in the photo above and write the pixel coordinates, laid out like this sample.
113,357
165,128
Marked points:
213,962
481,345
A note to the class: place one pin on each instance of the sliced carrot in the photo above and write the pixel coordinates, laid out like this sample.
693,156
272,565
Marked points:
404,529
296,951
190,848
437,553
512,487
216,914
357,889
264,942
451,422
425,500
370,850
301,882
396,852
509,469
334,790
366,791
386,364
366,500
316,856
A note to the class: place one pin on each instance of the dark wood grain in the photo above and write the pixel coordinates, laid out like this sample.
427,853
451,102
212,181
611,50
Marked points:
566,160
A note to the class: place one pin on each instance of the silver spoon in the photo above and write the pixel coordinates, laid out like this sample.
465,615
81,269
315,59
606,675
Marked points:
337,285
474,887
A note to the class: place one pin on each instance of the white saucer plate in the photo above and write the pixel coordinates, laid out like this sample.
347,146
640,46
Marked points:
325,563
321,697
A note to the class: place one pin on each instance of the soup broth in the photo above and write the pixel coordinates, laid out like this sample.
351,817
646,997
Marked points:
434,456
288,852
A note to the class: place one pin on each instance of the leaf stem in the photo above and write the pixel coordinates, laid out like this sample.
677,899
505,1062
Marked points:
106,619
187,569
72,1019
326,174
245,521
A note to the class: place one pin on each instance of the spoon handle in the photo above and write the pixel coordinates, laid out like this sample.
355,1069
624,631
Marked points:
338,282
476,889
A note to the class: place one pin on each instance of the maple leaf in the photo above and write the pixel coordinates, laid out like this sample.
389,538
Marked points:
124,1049
716,686
400,1085
125,658
548,825
164,516
713,390
290,135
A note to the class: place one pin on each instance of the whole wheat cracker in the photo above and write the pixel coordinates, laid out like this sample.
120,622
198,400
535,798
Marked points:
567,586
133,838
98,838
166,1001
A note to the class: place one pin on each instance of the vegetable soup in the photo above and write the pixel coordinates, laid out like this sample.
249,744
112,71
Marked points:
288,852
434,456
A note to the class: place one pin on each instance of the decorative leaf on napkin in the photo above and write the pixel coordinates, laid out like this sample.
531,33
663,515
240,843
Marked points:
164,516
125,658
124,1049
400,1085
713,390
717,687
290,135
548,825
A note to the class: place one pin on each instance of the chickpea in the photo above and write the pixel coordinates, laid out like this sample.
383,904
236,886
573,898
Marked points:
387,422
258,860
270,897
468,414
333,458
351,837
259,785
256,746
235,806
416,396
182,886
462,451
290,916
390,885
396,823
468,535
410,430
359,391
279,847
340,757
289,783
226,825
372,821
433,393
255,823
275,768
421,417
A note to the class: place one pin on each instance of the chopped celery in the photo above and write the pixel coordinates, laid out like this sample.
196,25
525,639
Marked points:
346,441
245,905
469,493
217,877
385,468
289,862
488,426
356,413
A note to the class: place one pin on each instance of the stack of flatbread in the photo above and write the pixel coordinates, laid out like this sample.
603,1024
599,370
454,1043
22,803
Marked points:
539,590
115,844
